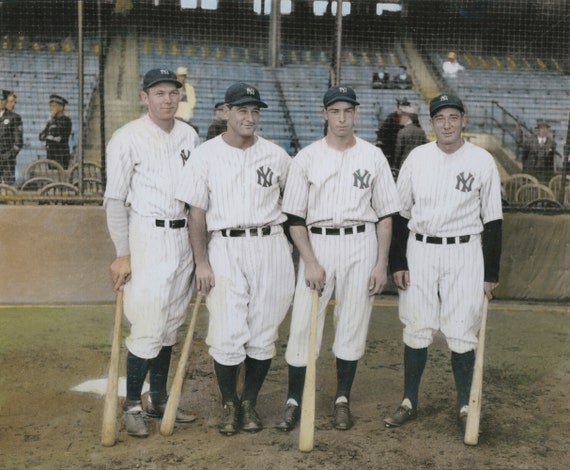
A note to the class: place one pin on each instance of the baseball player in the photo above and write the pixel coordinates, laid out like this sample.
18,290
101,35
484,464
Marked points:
57,131
339,197
234,184
149,229
445,250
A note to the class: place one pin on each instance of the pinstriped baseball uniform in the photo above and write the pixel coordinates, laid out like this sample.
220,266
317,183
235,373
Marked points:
446,195
254,276
334,189
142,163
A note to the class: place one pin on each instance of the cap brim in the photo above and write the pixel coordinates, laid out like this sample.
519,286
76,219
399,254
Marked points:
342,98
166,80
446,105
246,100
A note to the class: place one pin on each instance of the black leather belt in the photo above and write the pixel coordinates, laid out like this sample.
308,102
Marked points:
179,223
253,232
439,241
338,231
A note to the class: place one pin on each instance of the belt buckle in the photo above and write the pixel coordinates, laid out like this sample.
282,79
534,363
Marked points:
464,238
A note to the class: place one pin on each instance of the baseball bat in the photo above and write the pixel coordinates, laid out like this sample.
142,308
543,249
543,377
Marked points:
169,417
307,426
109,429
474,415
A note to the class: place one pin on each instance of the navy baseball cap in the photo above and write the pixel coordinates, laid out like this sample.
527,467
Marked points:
445,100
242,93
339,93
154,76
57,99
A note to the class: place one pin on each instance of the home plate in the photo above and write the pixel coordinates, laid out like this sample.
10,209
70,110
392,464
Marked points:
98,387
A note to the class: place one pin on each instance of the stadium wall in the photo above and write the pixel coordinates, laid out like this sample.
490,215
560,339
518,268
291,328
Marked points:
61,254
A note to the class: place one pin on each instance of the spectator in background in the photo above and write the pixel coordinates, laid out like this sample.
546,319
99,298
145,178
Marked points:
402,80
388,131
11,101
451,67
57,131
219,122
410,135
187,97
538,149
11,138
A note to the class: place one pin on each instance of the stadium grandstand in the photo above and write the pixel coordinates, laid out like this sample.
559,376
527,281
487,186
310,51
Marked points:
515,56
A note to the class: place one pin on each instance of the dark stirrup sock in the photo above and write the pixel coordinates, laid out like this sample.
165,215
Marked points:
158,375
296,383
462,365
345,372
414,365
255,373
227,381
137,368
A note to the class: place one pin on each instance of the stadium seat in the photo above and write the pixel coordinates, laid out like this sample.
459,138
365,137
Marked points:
532,191
45,167
36,183
544,203
512,184
90,170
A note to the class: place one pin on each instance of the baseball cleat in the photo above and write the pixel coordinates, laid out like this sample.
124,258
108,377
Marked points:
134,421
291,416
402,415
462,417
342,420
229,422
250,420
157,411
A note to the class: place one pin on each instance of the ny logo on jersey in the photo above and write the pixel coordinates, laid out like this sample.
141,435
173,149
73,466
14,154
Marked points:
361,181
464,184
264,176
185,155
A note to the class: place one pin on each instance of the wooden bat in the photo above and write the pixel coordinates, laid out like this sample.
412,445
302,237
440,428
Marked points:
169,417
307,426
109,429
474,416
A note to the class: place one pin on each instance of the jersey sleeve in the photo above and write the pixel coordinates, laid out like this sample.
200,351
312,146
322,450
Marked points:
296,196
120,168
404,186
192,186
385,199
491,202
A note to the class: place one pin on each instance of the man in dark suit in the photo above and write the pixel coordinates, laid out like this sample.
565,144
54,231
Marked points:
57,131
538,151
11,140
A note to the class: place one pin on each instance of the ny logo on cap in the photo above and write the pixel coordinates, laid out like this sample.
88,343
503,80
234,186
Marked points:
164,72
443,98
343,89
250,91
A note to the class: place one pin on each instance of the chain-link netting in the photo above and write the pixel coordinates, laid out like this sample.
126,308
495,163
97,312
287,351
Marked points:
507,59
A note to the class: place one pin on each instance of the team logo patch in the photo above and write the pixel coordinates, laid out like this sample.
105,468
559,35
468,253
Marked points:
264,176
185,155
464,183
361,179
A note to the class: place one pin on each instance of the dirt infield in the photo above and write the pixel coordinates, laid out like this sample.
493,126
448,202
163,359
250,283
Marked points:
45,351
